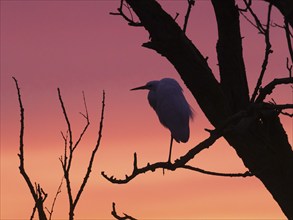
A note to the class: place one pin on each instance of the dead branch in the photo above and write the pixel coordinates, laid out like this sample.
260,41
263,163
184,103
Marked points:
257,24
268,51
115,215
286,114
66,160
183,160
288,37
190,4
120,12
66,165
87,175
245,174
247,3
55,199
37,193
268,89
289,67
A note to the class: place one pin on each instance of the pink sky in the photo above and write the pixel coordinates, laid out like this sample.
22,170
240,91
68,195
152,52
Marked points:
78,46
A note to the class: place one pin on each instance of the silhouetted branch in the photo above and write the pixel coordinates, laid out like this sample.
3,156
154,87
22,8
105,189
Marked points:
55,199
257,24
42,197
190,4
87,175
247,173
120,12
286,8
288,37
183,160
115,215
38,194
282,107
33,212
248,4
66,166
268,51
268,89
86,116
72,146
289,67
286,114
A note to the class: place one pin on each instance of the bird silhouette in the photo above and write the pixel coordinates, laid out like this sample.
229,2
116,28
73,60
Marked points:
166,98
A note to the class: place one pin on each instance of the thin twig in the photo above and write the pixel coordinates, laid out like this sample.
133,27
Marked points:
190,4
87,175
288,37
289,67
86,116
120,12
33,212
268,51
247,173
286,114
248,4
115,215
268,89
55,199
66,119
66,166
257,23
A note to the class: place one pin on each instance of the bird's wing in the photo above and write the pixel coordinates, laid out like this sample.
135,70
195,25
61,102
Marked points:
174,112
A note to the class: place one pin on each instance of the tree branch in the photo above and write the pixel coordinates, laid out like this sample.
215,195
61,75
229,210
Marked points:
268,51
86,116
289,67
36,193
186,18
268,89
285,7
258,25
115,215
183,160
130,20
288,37
55,199
246,174
87,175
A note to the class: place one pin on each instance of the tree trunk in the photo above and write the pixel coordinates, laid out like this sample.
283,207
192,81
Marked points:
259,138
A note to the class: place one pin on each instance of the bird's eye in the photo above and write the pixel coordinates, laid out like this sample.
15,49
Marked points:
150,86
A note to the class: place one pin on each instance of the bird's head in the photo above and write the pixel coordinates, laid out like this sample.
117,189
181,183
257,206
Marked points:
152,85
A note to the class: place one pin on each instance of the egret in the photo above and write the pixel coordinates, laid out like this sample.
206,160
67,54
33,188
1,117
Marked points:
166,98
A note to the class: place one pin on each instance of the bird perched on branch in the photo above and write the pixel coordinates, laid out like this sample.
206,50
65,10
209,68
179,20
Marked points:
167,99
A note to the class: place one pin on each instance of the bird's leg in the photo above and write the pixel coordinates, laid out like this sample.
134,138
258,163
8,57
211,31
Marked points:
171,143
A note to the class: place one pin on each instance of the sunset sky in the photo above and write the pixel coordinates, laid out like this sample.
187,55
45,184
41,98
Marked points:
77,46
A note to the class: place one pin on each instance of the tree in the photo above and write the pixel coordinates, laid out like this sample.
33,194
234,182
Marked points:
250,124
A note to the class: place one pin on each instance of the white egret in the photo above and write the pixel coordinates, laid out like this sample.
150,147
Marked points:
174,112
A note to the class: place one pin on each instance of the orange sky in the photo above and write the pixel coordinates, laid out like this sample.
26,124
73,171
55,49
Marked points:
78,46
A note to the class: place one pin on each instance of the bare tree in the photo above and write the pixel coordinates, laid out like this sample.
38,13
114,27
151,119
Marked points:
36,190
250,124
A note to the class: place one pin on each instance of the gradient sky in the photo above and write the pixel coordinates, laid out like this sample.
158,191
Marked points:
77,46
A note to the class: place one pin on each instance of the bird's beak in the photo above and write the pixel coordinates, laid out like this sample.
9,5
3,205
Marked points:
138,88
